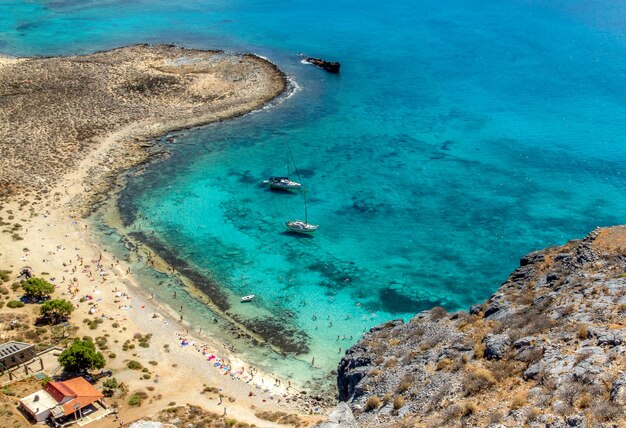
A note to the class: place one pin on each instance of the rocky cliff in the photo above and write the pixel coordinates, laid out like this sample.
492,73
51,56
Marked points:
547,349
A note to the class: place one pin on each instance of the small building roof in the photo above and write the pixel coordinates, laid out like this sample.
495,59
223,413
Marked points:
62,398
82,394
13,347
81,388
39,401
59,390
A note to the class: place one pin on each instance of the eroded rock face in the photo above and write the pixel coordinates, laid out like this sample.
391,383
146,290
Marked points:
546,349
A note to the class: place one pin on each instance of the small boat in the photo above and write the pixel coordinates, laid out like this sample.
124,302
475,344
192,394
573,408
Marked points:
331,67
282,183
299,226
247,298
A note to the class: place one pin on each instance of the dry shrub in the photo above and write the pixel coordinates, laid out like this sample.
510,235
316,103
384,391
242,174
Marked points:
398,402
452,412
479,350
394,342
477,379
533,415
569,391
444,363
379,347
460,410
584,400
405,384
583,332
504,369
409,356
391,362
469,408
372,403
519,401
605,411
386,398
437,313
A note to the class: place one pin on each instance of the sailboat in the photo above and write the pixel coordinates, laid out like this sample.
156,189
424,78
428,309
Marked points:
299,226
285,183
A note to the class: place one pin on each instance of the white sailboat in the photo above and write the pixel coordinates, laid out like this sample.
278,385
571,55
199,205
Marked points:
285,183
299,226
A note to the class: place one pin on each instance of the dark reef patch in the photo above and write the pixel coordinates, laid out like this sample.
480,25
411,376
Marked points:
209,287
337,277
395,302
279,334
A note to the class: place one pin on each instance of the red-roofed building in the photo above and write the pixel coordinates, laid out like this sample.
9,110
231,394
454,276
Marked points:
62,398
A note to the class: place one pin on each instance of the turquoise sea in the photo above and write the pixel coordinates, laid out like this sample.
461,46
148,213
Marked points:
459,136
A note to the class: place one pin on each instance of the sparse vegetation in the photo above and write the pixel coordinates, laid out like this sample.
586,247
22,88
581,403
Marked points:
583,332
372,403
477,379
15,304
398,402
519,400
280,418
134,365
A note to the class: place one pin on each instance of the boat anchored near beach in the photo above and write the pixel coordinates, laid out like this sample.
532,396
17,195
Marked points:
247,298
284,182
299,226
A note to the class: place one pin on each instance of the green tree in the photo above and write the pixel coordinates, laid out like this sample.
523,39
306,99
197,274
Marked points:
56,311
37,288
81,355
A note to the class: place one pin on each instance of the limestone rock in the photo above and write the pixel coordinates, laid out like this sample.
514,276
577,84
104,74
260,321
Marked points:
618,390
340,417
496,346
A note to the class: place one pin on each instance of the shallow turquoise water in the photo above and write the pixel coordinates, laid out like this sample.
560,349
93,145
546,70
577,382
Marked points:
458,137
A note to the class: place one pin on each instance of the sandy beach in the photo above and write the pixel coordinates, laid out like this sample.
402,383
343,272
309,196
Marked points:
51,178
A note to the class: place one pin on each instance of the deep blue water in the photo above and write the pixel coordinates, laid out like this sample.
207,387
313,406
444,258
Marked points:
458,137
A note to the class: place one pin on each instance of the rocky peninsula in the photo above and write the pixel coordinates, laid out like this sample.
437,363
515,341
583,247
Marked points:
55,111
547,349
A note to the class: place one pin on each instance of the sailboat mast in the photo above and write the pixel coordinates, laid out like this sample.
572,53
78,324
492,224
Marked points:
306,217
288,159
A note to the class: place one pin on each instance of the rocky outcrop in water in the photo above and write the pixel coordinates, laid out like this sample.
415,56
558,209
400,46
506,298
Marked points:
547,349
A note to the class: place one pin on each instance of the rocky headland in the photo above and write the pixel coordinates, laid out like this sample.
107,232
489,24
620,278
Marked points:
547,349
